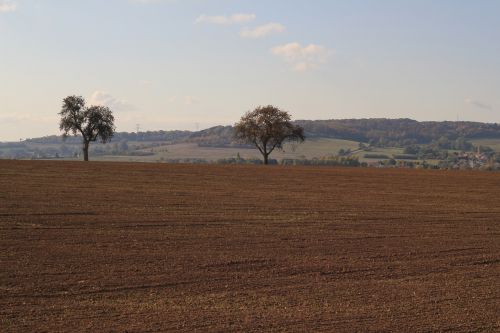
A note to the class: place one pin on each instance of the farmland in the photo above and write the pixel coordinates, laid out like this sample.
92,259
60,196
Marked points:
156,151
115,247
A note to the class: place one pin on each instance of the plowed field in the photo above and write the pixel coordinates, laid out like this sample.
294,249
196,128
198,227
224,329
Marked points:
116,247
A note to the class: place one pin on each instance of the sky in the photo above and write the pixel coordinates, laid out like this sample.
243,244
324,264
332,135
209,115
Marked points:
192,64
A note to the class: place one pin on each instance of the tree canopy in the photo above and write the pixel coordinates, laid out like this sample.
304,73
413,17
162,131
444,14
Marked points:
268,128
92,123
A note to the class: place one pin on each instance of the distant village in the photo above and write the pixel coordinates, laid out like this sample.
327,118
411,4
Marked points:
455,161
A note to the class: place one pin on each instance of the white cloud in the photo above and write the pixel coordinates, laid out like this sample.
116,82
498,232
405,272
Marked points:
190,100
303,58
7,6
479,104
263,30
226,20
105,99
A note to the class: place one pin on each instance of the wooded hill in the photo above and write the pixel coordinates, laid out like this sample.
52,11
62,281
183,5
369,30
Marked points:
378,132
398,132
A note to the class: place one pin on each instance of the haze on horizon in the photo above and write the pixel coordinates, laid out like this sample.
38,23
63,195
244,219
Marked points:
184,64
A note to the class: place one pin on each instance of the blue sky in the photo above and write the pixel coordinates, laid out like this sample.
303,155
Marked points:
187,64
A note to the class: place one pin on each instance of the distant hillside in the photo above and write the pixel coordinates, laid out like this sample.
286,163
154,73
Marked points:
379,132
215,136
149,136
398,132
379,137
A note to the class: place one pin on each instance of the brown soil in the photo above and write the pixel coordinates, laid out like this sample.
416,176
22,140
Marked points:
112,247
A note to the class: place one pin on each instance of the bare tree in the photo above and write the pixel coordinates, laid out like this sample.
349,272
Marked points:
92,123
268,128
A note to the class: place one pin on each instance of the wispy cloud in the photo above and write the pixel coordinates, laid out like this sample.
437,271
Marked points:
7,6
105,99
303,58
263,30
226,20
479,104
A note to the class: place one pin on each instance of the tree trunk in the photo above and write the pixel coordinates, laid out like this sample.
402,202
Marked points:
86,151
266,159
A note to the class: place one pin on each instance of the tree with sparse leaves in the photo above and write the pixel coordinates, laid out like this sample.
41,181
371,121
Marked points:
268,128
92,123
